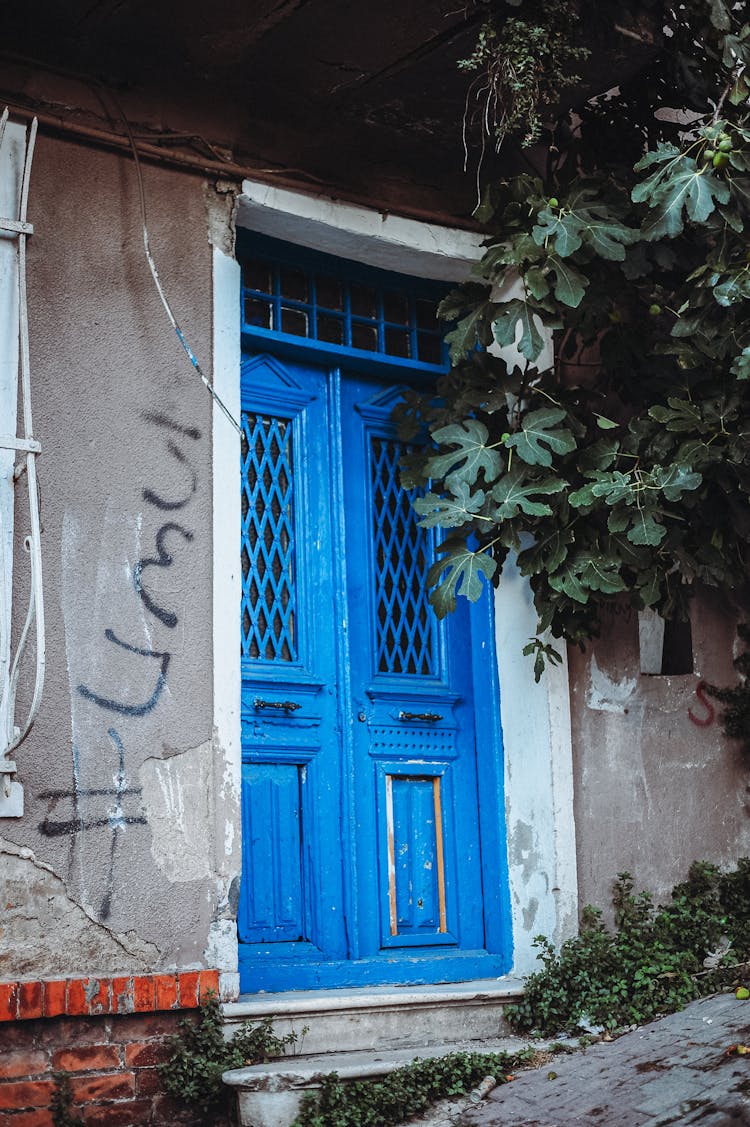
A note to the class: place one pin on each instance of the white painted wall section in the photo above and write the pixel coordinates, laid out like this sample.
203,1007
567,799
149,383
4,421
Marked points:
392,242
538,779
222,946
650,640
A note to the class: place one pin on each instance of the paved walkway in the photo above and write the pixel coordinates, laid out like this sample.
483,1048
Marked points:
675,1071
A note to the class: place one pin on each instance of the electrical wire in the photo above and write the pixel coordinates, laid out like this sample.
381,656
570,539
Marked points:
155,274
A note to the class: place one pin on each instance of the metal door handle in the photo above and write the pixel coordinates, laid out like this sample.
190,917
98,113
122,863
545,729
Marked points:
428,717
281,705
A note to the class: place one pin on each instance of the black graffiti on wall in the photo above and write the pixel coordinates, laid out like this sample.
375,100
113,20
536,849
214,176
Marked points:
87,807
162,559
159,502
116,816
112,705
94,808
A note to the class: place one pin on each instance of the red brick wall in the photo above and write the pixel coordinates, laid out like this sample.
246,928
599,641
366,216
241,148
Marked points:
111,1056
126,994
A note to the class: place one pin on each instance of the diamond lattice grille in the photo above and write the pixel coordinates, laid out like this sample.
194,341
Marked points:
403,621
268,594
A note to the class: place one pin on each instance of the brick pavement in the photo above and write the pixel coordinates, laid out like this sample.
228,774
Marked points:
673,1071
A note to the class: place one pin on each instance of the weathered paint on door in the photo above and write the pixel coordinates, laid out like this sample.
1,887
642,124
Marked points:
372,792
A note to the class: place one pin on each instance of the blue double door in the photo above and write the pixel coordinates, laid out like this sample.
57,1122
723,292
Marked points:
373,848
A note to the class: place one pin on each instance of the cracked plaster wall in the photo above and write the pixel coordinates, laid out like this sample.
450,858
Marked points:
654,791
36,904
125,858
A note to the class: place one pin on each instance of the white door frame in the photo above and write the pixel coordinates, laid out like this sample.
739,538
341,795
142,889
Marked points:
535,717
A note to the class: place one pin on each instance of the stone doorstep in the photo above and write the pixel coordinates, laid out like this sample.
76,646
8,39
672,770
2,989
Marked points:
382,1018
270,1094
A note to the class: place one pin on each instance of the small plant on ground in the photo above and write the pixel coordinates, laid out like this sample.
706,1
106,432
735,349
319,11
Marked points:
200,1054
404,1092
655,961
62,1102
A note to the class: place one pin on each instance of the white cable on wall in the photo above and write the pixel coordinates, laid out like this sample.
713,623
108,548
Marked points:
12,734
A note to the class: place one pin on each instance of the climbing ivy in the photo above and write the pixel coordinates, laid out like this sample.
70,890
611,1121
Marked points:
616,464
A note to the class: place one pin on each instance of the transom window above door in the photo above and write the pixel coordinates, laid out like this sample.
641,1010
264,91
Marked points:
359,311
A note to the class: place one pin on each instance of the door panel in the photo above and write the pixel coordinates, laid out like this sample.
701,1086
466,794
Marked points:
414,755
273,906
291,903
421,909
362,859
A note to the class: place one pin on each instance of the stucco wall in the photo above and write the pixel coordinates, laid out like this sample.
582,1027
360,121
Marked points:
121,860
654,790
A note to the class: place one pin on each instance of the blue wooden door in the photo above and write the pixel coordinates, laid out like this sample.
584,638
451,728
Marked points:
372,837
291,908
415,768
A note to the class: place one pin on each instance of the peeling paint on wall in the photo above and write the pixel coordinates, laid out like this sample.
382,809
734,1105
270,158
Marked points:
530,883
605,694
221,949
529,913
178,799
522,851
221,208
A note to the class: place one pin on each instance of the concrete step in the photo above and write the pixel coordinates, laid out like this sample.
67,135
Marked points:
270,1095
385,1017
361,1033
